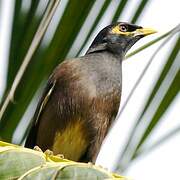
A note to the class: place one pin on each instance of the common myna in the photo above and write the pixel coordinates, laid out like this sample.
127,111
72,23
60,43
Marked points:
82,96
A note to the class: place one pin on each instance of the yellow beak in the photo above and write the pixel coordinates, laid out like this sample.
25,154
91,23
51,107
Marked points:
145,31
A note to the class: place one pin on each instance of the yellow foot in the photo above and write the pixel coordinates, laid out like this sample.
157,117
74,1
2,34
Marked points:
91,164
49,152
60,156
37,148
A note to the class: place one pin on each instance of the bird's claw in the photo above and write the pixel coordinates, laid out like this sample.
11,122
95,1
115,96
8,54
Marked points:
60,156
90,163
49,152
37,148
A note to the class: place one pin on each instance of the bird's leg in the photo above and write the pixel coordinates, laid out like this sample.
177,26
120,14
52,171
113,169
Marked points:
60,156
95,145
48,152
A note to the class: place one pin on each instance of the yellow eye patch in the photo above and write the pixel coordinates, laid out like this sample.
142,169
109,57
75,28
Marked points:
139,31
116,30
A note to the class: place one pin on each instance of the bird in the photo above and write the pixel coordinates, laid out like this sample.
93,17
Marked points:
82,96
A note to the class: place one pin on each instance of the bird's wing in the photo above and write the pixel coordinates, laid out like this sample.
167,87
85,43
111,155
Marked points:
30,141
44,100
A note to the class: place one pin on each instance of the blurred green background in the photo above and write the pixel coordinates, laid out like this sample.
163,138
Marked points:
69,34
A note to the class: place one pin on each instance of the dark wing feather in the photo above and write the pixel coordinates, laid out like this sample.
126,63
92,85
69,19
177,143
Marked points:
31,139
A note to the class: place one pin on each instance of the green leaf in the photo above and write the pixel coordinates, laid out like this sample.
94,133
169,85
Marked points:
22,163
165,103
119,10
14,162
99,16
23,23
129,150
139,10
157,143
43,62
171,93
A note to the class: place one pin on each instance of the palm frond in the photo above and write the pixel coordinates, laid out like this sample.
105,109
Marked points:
169,94
47,53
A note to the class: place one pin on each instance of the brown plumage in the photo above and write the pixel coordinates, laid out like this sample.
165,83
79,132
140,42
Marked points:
82,97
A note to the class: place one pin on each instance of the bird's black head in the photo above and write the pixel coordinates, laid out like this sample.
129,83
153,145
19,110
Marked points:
119,37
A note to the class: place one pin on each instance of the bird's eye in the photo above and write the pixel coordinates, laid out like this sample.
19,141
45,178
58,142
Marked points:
123,28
